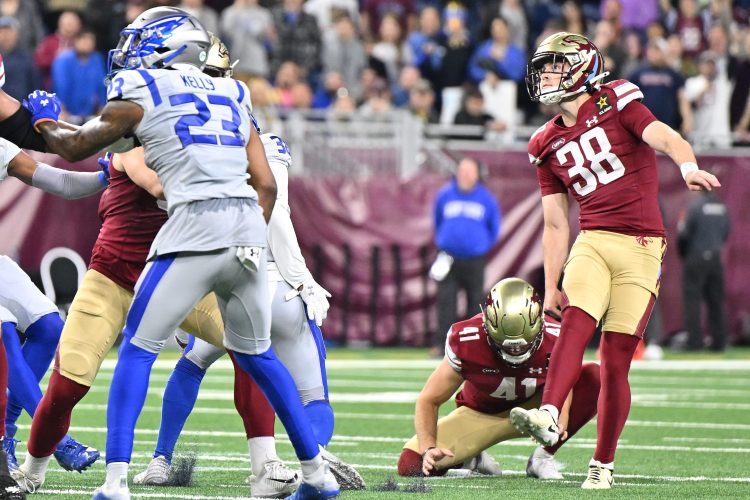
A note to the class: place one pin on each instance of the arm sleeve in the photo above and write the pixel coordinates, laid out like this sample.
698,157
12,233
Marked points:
8,151
282,239
66,184
17,129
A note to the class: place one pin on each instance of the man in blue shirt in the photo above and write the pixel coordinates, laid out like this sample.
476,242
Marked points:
467,224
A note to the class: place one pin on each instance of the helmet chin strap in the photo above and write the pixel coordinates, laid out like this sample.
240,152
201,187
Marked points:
555,97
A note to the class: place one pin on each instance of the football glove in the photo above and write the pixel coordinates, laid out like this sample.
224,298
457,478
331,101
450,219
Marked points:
44,107
104,162
315,298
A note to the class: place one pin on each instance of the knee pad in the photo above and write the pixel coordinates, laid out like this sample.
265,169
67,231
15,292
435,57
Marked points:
79,363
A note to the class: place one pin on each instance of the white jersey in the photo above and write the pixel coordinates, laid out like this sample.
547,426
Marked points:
21,298
285,257
8,151
194,133
2,73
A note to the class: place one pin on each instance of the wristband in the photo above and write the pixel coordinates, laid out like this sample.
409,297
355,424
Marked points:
688,167
428,449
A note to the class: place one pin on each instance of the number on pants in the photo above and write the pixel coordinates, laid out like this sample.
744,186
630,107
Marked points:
507,388
203,115
584,152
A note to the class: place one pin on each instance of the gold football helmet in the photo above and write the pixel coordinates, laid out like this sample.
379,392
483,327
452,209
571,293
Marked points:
583,72
513,320
218,63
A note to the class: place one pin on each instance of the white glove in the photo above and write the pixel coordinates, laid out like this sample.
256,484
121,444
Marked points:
315,298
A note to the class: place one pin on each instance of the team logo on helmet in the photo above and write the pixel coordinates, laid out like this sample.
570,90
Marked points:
574,58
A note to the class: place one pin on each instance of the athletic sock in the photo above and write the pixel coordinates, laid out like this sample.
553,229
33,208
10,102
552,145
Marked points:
262,449
179,399
320,415
127,395
277,384
52,418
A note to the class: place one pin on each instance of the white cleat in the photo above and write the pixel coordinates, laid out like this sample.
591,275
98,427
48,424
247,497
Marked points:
483,464
599,478
536,423
28,482
119,492
275,481
156,474
542,465
346,475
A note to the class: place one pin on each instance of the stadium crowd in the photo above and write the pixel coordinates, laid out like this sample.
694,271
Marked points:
447,62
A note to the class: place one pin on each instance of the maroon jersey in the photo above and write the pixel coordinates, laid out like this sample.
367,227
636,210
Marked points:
130,221
492,385
604,162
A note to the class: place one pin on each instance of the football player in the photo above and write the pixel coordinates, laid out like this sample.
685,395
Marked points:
198,138
501,357
296,338
600,148
29,313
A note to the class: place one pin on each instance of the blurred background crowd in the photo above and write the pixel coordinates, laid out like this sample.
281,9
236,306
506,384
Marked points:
446,62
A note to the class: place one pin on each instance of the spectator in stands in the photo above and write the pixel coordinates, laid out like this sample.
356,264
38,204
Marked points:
298,39
467,224
422,102
500,102
378,105
21,77
425,50
344,53
373,12
612,11
390,49
206,15
632,14
574,20
612,50
688,24
77,76
325,96
709,93
30,27
326,11
663,88
703,231
740,103
68,26
248,29
498,55
288,75
107,18
265,104
407,80
473,113
301,96
452,74
514,14
633,53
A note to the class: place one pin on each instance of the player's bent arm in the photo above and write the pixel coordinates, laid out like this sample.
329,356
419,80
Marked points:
664,139
555,237
63,183
134,164
441,385
261,178
117,119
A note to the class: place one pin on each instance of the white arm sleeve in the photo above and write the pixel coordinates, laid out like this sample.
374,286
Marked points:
282,239
8,151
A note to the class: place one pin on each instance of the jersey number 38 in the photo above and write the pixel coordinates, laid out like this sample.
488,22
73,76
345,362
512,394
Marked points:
588,163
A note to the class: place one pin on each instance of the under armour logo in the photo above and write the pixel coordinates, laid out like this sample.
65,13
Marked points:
591,122
44,102
536,370
254,252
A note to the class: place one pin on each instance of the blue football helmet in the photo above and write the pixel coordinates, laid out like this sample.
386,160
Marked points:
160,38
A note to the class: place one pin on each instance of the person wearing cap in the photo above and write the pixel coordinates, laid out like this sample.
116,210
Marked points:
663,88
709,93
22,77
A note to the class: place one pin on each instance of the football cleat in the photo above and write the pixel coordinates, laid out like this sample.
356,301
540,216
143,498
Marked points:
599,477
328,489
9,489
346,475
74,456
156,474
276,480
542,465
483,464
9,445
536,423
119,492
27,481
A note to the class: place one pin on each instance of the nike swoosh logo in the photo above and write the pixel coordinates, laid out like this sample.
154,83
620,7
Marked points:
285,481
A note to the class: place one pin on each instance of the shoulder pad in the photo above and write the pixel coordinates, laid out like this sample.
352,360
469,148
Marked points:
136,85
276,149
625,92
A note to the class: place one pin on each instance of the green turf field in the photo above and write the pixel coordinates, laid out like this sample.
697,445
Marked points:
687,436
